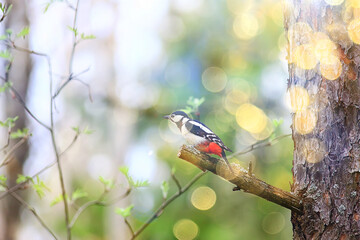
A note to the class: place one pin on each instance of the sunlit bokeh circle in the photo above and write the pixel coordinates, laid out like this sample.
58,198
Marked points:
305,121
185,229
314,150
354,30
251,118
334,2
214,79
305,56
299,33
324,48
273,223
234,99
354,3
298,97
330,67
246,26
203,198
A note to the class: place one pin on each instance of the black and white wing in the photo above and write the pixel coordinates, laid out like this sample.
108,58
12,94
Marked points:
203,131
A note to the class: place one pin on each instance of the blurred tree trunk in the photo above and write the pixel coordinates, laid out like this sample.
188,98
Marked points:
19,75
325,97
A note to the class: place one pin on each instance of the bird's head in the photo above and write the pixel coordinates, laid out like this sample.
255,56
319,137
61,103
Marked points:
177,116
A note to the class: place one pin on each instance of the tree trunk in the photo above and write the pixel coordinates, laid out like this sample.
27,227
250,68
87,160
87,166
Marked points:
324,58
19,75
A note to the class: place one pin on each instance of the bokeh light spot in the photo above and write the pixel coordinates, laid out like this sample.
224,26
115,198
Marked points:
233,100
299,98
354,30
354,3
273,223
334,2
185,229
324,48
305,121
314,150
330,67
251,118
203,198
299,33
305,56
246,26
214,79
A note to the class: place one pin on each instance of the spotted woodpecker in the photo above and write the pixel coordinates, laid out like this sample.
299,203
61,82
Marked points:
199,135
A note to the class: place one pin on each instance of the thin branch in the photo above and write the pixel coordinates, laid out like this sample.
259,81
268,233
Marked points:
14,148
33,211
158,212
176,181
8,139
260,144
97,202
243,180
129,226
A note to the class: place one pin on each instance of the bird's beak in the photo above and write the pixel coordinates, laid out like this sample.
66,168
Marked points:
166,116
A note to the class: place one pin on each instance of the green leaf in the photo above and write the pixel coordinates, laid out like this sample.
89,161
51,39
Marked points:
74,30
76,129
5,87
57,200
139,183
88,131
173,170
165,189
48,4
125,212
277,123
25,31
3,37
86,37
21,178
79,193
5,54
40,187
9,31
108,183
9,122
3,184
20,133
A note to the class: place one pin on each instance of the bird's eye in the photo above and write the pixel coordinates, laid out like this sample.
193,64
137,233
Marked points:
172,115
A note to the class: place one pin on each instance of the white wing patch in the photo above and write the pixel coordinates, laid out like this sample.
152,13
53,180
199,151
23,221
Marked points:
205,129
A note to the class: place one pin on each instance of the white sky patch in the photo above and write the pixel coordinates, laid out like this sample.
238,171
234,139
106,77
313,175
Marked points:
100,165
142,166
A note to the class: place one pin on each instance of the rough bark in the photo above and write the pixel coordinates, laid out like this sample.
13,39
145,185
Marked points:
19,76
326,161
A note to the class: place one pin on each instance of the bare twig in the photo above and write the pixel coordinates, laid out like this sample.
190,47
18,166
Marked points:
260,144
8,139
129,226
97,202
8,154
158,212
242,179
176,181
33,211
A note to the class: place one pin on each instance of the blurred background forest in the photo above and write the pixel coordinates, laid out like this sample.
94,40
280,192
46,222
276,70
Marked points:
147,59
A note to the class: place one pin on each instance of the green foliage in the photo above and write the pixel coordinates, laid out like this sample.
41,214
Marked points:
277,122
78,193
74,30
24,32
3,184
9,122
87,37
139,183
20,133
86,130
125,212
5,87
39,187
48,4
108,183
21,178
5,54
193,105
165,189
5,10
56,200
